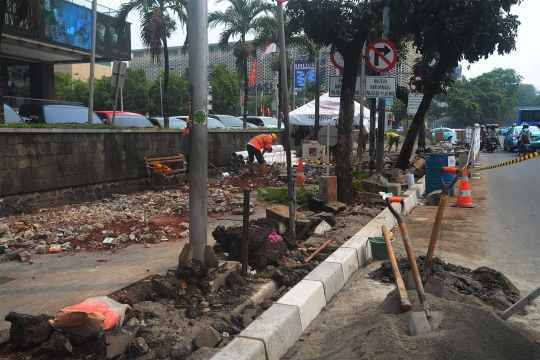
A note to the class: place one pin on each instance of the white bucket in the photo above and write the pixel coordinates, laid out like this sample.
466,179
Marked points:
224,176
410,180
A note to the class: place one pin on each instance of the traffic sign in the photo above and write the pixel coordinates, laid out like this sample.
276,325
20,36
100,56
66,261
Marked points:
415,84
334,88
323,135
382,55
337,60
413,103
380,87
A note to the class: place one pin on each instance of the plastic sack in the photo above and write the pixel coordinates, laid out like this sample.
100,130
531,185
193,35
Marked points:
274,237
91,317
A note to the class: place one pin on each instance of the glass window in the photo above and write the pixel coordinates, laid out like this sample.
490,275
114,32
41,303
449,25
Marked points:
18,82
132,121
10,115
215,124
138,54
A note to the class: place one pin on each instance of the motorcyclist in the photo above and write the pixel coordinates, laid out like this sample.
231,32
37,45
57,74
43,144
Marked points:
483,131
491,134
524,135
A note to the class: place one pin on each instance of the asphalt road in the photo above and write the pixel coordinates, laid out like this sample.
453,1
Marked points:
514,224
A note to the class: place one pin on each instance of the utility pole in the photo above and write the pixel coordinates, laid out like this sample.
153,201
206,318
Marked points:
382,106
92,64
198,164
287,132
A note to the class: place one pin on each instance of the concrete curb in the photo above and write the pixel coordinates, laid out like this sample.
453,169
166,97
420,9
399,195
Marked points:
279,327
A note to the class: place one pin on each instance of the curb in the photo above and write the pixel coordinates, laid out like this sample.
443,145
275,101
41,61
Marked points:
271,335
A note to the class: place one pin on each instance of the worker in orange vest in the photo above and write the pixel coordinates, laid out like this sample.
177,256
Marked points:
256,147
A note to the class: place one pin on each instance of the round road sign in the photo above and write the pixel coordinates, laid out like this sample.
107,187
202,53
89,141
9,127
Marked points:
382,55
337,59
323,135
200,117
415,84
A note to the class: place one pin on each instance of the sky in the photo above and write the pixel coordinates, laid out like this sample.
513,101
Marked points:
525,59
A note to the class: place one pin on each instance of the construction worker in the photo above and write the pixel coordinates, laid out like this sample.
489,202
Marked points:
256,147
393,138
186,146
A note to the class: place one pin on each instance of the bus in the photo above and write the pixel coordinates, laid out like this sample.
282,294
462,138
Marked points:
530,116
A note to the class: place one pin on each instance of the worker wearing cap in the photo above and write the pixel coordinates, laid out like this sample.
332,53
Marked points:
186,146
256,147
393,138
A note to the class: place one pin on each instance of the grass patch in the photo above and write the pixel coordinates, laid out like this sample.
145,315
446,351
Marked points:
280,195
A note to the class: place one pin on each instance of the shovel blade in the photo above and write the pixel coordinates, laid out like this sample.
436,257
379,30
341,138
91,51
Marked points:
434,286
420,324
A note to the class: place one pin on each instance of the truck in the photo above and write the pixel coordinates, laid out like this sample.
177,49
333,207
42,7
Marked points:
530,116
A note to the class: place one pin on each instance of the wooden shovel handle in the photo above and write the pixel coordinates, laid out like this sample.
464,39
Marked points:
436,227
405,304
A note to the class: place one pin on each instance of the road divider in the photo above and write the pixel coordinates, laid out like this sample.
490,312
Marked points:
511,162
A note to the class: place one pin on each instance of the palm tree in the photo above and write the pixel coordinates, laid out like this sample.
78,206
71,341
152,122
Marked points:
27,15
157,25
240,19
268,32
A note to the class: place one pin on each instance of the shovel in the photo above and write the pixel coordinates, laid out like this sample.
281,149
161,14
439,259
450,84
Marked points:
419,322
404,303
433,285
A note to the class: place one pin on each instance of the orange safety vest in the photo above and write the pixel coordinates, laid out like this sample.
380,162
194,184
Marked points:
261,141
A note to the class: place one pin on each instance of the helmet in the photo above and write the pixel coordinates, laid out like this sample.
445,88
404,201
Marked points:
274,137
525,125
493,126
482,126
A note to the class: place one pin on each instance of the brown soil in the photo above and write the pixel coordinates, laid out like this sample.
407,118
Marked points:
470,330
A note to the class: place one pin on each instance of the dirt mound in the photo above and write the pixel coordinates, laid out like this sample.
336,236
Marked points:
489,285
470,330
262,251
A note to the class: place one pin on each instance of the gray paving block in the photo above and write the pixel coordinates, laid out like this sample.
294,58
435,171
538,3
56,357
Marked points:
278,328
331,276
242,349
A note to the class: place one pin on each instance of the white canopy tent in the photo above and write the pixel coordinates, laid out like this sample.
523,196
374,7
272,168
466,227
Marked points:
328,113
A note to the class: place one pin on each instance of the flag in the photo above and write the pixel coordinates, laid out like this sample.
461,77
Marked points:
262,94
270,48
262,110
253,74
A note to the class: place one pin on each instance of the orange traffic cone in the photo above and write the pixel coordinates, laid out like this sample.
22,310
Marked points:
300,173
464,199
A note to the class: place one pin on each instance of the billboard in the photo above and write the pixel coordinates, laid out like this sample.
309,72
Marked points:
304,72
65,23
109,42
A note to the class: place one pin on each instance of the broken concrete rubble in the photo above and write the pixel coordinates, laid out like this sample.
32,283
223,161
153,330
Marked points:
115,342
28,330
58,345
208,338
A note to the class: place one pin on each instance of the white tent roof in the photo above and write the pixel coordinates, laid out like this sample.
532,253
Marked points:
328,112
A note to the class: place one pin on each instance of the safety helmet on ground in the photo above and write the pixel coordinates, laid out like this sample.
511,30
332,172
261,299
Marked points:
274,137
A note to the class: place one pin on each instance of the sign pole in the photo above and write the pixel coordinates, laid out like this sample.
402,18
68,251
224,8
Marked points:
382,107
328,150
362,92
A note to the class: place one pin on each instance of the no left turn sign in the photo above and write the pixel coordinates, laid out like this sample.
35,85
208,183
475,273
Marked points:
382,55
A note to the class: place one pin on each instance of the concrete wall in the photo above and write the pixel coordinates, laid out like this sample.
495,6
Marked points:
34,160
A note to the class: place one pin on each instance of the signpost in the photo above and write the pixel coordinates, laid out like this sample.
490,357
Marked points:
380,87
328,136
413,103
382,55
334,88
117,79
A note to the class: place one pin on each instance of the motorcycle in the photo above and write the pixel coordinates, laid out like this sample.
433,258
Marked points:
525,148
491,143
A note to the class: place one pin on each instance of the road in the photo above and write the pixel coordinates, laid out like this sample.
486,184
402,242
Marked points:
514,210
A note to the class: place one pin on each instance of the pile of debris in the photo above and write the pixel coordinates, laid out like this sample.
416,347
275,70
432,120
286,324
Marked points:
489,285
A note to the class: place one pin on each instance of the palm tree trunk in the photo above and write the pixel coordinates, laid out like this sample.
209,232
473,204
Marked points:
279,104
402,161
166,84
2,17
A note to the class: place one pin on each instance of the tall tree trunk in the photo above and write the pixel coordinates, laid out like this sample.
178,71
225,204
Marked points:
2,17
344,148
166,85
422,136
402,161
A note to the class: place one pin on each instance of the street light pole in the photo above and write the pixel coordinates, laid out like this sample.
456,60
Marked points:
285,94
92,63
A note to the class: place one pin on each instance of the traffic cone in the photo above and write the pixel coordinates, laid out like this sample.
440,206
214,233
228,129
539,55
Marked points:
300,173
464,199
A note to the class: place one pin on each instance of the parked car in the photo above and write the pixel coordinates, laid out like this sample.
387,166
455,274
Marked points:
231,122
174,122
124,118
57,113
263,121
215,124
511,139
448,133
11,116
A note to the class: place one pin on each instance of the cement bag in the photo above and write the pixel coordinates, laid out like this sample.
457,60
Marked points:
91,317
